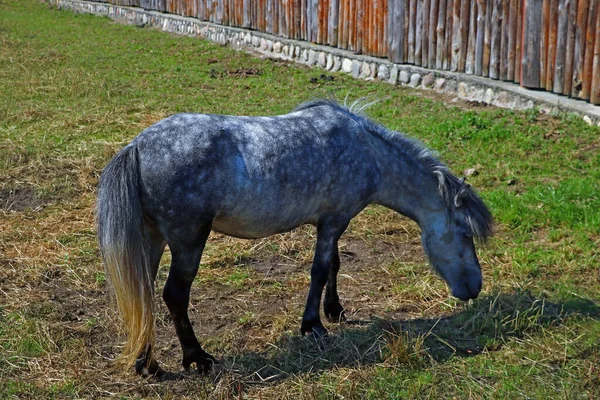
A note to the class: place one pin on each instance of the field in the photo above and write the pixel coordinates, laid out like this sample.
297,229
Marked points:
75,88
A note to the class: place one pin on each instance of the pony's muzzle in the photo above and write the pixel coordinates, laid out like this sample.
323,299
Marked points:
469,286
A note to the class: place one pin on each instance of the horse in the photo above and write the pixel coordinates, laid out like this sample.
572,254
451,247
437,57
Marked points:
252,177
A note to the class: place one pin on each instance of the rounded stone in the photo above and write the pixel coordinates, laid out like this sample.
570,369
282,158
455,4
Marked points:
428,80
383,72
415,80
393,78
366,69
373,71
404,76
277,47
489,95
337,64
322,59
356,68
329,63
304,55
263,44
462,89
312,57
347,65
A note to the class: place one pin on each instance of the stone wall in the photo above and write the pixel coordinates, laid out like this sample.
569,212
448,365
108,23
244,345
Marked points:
463,86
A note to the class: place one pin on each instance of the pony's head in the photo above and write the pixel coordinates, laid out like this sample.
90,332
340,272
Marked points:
448,235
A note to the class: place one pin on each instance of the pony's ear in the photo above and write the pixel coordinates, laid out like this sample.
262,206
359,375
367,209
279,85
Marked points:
462,194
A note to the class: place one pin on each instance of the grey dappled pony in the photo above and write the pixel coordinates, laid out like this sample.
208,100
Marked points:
252,177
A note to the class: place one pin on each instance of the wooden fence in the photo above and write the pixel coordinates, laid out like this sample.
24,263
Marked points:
551,45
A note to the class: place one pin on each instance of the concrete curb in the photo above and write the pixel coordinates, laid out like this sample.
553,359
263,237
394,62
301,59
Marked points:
467,87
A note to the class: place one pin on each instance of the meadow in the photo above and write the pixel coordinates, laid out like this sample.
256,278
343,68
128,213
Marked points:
74,89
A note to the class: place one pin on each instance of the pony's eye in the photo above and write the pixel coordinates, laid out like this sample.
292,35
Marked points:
468,235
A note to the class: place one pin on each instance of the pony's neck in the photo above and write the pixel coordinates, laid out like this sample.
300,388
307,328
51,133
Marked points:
407,186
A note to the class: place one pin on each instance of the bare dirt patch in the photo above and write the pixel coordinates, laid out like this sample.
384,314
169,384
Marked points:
20,198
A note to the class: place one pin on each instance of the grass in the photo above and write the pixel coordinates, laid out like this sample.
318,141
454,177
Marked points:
76,88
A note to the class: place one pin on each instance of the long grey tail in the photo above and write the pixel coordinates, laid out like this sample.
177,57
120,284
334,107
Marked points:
121,237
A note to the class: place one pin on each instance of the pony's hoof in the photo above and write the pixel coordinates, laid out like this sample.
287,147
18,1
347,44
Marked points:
204,362
317,330
335,312
148,369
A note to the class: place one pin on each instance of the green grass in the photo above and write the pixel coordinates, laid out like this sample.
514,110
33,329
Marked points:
76,88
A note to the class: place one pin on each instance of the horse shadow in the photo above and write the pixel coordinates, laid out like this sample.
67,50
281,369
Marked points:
484,325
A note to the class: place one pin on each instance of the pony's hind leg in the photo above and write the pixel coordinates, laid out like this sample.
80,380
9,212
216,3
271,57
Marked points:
145,364
331,305
325,263
176,294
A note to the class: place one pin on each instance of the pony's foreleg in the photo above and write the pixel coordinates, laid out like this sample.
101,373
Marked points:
326,260
184,266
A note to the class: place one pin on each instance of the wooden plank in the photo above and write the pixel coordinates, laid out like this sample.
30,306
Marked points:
479,40
583,9
503,70
595,84
332,33
360,7
545,40
390,23
411,31
384,29
447,61
419,34
487,38
406,23
373,28
530,64
298,18
268,16
433,37
366,30
315,19
518,52
425,33
283,29
464,33
351,24
551,53
570,51
512,40
441,35
590,38
496,39
561,44
399,39
470,62
340,38
455,35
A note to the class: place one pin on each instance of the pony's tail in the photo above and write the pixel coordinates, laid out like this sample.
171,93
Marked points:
122,244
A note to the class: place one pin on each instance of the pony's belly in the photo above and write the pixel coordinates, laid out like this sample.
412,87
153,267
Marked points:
245,230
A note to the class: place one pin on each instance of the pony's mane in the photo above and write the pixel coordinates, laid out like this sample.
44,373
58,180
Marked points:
477,215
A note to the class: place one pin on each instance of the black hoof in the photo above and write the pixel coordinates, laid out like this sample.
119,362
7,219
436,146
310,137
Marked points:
145,369
334,312
315,328
204,361
147,366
